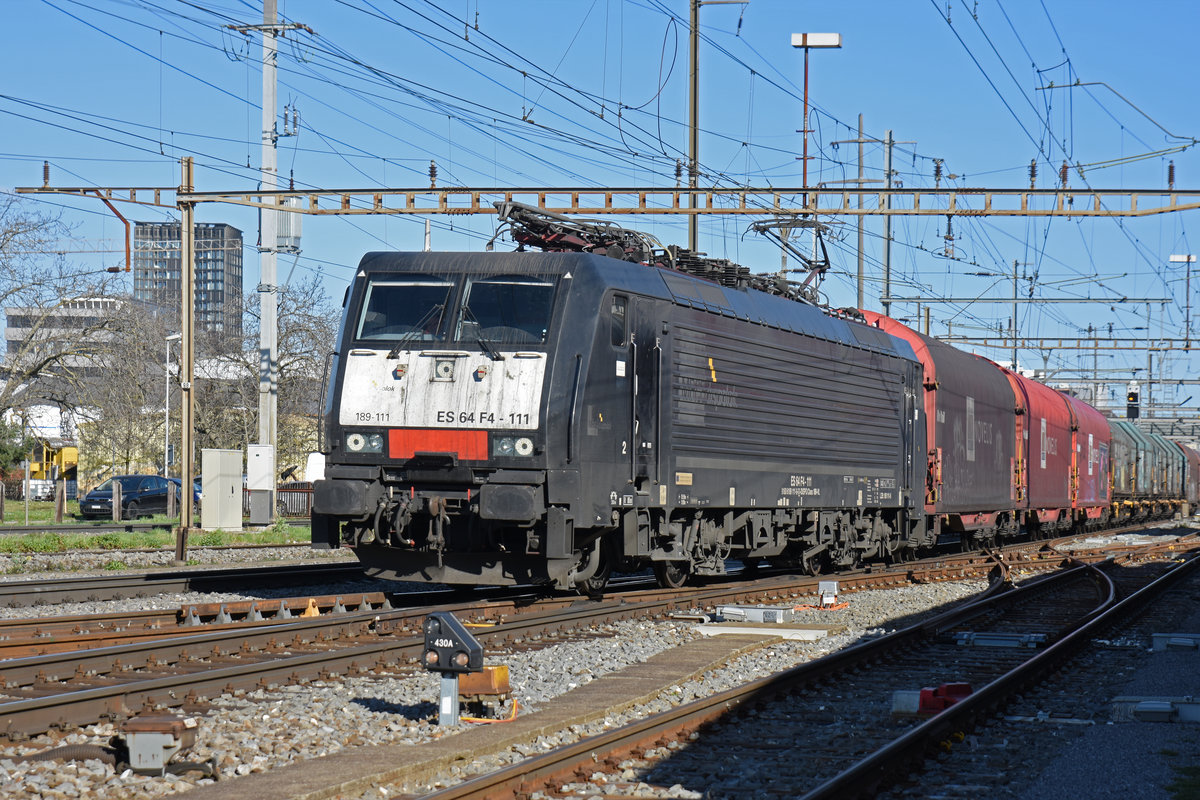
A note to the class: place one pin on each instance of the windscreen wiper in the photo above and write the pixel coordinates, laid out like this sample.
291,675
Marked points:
419,327
484,344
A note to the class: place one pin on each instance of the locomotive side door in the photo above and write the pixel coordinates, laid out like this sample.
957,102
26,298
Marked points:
646,353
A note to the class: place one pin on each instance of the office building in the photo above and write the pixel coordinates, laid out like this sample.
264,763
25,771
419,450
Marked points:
157,272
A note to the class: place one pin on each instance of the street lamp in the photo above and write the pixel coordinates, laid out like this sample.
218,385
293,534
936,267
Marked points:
809,41
167,409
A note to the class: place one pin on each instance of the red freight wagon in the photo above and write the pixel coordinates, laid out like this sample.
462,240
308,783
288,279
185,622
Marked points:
970,427
1092,442
1043,453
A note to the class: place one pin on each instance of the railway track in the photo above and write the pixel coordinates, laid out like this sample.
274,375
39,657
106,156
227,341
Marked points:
23,593
169,664
179,667
826,729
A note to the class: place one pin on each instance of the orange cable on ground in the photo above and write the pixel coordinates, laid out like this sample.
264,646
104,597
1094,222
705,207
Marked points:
492,721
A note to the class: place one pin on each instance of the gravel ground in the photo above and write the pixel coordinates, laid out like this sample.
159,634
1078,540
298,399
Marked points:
257,731
81,564
40,566
1118,760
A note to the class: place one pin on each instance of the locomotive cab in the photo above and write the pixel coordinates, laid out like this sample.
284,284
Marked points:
447,460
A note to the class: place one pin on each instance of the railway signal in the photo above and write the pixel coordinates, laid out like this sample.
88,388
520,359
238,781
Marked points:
451,650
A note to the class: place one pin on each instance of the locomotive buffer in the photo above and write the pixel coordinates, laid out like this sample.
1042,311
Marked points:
451,650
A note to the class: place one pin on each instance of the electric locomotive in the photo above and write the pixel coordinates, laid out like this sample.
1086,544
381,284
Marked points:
546,417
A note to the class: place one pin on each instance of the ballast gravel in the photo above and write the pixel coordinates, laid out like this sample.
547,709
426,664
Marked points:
259,731
40,566
250,732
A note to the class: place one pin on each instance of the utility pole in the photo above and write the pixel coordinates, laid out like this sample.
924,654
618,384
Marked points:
1014,317
860,183
694,123
268,246
860,205
1188,259
887,224
888,143
187,354
1149,362
268,296
694,115
1014,327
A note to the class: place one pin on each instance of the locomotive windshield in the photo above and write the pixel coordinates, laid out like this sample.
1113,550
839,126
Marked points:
506,309
404,309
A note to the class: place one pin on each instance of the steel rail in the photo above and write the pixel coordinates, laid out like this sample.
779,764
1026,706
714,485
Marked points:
21,717
25,716
562,763
865,777
522,777
113,587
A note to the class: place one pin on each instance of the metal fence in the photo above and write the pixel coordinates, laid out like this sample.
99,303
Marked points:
291,499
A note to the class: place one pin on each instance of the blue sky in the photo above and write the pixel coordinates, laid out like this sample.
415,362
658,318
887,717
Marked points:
593,93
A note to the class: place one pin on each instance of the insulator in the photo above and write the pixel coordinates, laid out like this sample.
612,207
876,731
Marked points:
291,180
937,170
1062,174
1171,174
678,171
1032,172
45,173
432,174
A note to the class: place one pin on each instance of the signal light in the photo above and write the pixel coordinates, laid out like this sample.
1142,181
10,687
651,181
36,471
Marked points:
449,646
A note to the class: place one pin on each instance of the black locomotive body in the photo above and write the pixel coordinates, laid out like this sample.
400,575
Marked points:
497,418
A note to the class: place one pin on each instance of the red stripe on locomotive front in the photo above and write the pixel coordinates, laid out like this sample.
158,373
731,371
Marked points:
466,445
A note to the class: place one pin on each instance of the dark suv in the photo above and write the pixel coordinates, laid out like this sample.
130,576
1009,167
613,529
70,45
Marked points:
141,495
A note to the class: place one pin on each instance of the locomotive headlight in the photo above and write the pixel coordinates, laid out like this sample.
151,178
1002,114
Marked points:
523,446
364,442
504,446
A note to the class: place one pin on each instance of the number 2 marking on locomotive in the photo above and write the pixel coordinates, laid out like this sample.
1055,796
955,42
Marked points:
624,448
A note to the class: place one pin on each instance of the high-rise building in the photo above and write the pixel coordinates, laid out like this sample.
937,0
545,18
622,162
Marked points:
157,272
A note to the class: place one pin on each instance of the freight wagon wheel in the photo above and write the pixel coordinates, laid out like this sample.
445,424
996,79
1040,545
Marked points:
672,574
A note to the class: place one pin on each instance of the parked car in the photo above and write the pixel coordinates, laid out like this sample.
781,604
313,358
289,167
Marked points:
141,495
178,484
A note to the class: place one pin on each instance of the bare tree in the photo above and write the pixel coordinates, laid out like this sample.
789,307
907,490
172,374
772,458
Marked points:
227,387
52,334
123,395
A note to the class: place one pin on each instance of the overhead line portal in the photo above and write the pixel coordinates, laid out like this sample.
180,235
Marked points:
674,201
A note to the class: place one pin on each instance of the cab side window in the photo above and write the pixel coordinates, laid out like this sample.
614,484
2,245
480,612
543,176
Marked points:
618,316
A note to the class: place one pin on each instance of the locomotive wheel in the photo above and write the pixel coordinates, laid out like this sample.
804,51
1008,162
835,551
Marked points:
593,587
671,574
